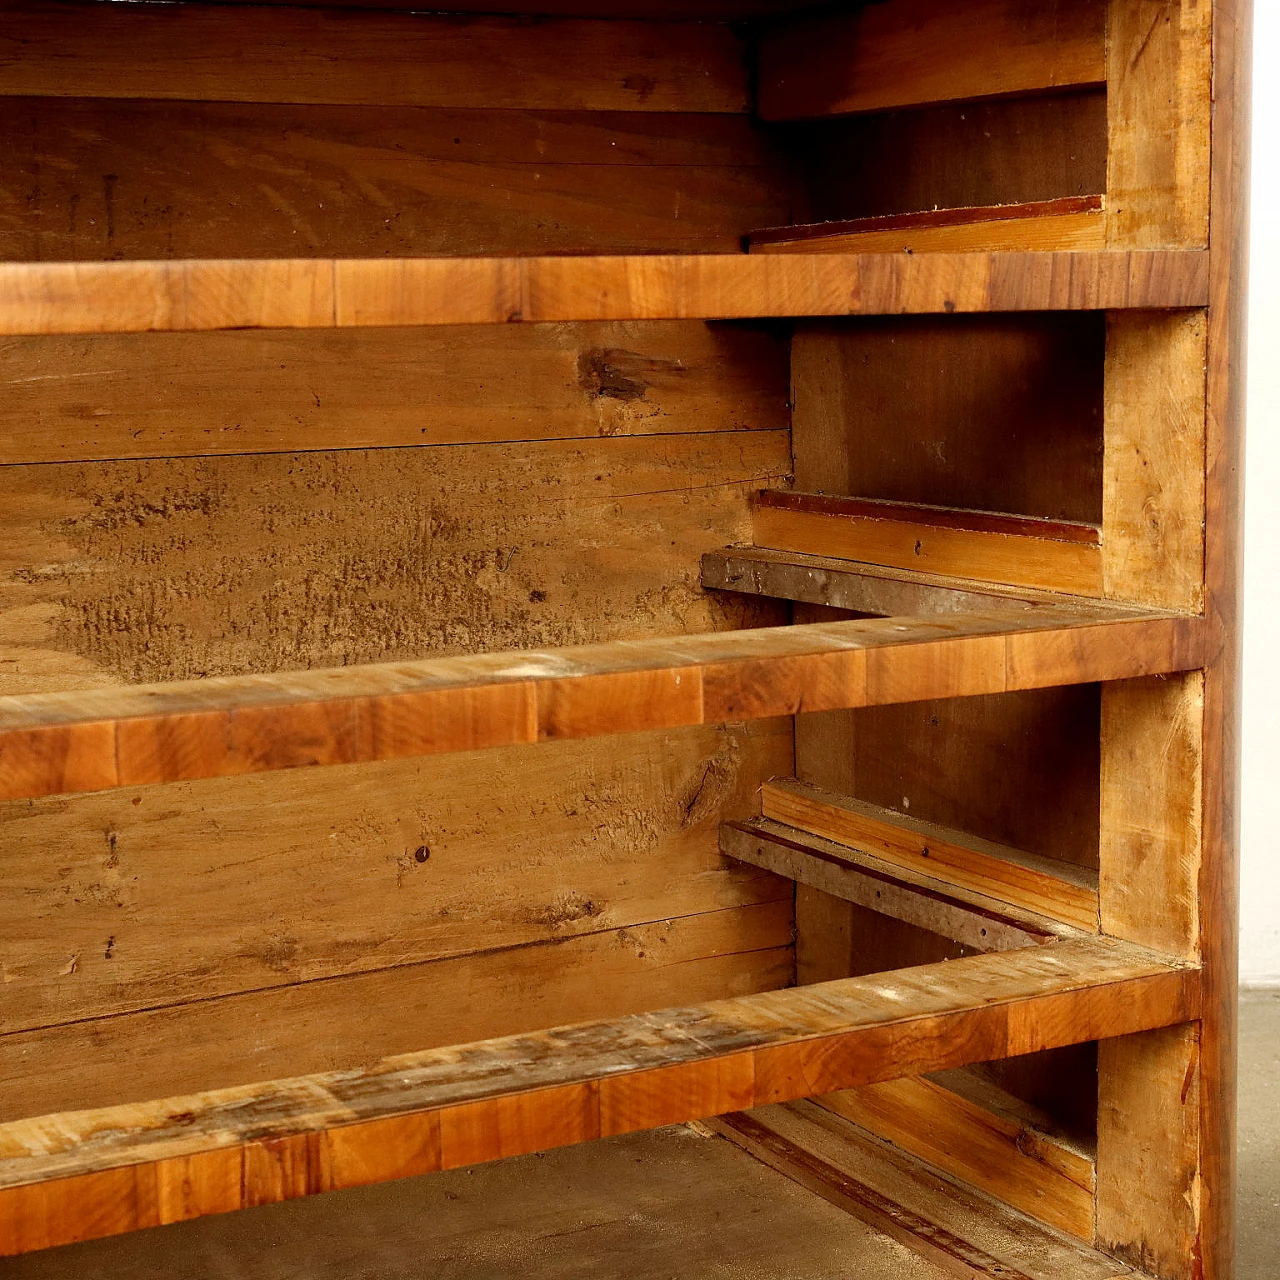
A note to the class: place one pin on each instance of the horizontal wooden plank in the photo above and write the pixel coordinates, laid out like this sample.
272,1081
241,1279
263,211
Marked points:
309,293
95,739
67,399
967,521
1034,1172
498,1098
1048,555
105,179
1070,222
961,1231
863,588
183,568
977,921
912,52
302,55
1057,890
343,1023
404,864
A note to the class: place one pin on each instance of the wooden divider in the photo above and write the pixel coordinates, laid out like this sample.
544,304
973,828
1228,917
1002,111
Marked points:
308,293
1053,555
99,738
1049,888
1069,222
78,1175
981,920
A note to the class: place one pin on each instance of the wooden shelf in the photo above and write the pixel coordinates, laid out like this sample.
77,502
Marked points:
782,1191
146,1163
94,739
1072,222
120,297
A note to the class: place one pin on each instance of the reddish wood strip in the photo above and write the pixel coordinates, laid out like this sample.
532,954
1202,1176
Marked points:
94,739
80,1175
926,514
126,297
1049,555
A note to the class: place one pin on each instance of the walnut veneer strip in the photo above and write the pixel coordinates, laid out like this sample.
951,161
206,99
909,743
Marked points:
89,740
80,1174
198,294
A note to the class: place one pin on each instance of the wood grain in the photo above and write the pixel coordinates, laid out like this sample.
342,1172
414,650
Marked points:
1006,411
1149,1154
962,1232
309,293
1026,1170
120,572
1153,480
1047,555
769,1047
300,55
995,151
1058,891
1159,87
227,726
1010,227
371,869
853,875
911,52
284,391
346,1022
103,178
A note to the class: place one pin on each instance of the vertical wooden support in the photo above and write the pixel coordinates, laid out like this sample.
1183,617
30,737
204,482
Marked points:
1151,812
1158,111
1148,1172
1153,464
1148,1183
1157,1176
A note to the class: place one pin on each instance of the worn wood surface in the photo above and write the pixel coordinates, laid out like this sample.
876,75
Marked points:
108,179
117,572
510,1096
1153,471
856,588
912,52
1159,85
1152,808
647,1206
149,898
304,55
1043,554
1016,1165
317,293
225,726
965,1233
1149,1153
1056,890
174,395
347,1022
979,922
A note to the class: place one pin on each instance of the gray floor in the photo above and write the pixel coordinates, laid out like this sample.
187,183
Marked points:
1258,1219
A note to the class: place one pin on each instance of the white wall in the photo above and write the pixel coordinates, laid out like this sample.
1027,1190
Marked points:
1260,811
